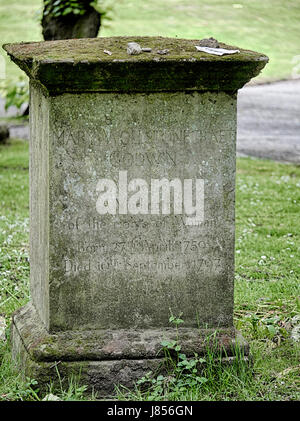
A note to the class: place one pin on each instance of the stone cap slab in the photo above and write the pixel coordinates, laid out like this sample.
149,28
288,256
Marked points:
81,65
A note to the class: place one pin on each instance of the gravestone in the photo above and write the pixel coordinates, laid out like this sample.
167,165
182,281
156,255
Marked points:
132,196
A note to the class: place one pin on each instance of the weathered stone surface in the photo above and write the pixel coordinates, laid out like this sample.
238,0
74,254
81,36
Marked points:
115,344
119,271
100,376
81,65
111,257
107,358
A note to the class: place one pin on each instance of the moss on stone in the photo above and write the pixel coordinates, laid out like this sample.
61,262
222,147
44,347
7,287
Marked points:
46,358
81,65
105,345
92,50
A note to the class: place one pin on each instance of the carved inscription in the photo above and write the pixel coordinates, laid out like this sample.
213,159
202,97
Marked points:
134,240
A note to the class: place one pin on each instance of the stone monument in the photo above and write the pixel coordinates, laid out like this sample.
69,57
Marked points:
132,197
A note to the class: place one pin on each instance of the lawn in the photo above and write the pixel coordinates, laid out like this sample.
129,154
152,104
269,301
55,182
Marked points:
267,295
270,26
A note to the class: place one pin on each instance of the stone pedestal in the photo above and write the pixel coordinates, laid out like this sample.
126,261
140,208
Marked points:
132,184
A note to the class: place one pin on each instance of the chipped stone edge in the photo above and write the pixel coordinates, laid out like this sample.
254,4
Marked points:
100,377
114,344
134,75
29,349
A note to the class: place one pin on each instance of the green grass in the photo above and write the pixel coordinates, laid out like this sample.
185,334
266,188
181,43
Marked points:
270,26
267,295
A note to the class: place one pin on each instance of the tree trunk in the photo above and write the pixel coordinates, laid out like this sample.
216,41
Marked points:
71,26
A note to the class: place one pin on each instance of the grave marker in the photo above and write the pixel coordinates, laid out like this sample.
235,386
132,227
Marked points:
132,186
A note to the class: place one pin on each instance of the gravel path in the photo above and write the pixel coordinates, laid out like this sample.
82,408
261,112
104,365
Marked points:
269,121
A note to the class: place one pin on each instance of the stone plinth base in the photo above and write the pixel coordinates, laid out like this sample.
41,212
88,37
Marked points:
105,358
